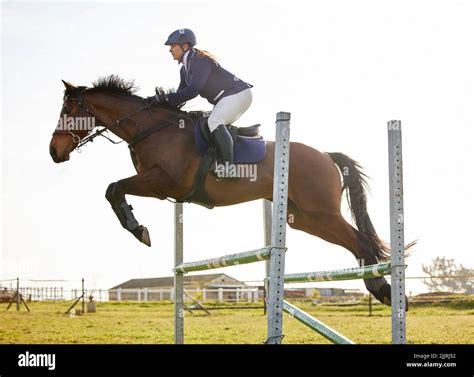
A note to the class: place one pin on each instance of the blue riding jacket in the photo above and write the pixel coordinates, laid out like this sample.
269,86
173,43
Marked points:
204,77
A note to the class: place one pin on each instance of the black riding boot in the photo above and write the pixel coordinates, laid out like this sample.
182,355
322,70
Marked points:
224,144
225,149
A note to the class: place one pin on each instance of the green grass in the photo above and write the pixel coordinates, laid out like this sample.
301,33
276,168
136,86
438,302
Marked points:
140,323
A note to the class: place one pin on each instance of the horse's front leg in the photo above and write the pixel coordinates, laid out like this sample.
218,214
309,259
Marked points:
151,183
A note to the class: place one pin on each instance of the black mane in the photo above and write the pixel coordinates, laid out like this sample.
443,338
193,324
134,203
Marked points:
114,84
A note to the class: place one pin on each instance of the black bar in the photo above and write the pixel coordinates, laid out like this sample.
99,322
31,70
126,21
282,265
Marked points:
235,360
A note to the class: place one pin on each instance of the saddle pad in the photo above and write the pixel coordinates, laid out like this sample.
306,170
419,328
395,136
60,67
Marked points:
247,150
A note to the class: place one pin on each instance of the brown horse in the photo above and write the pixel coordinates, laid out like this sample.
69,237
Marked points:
167,161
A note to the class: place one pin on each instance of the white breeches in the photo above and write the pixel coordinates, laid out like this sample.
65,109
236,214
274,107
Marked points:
229,109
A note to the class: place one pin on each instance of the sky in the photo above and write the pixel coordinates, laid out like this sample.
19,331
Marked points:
342,68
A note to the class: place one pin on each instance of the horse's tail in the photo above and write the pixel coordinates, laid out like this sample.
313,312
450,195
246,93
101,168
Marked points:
355,185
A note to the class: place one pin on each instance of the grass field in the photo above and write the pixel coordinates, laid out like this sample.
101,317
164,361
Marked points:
139,323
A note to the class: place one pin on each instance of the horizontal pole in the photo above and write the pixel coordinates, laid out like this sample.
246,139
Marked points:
366,272
226,261
315,325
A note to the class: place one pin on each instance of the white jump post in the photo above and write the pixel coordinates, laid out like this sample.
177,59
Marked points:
276,280
178,277
397,241
274,253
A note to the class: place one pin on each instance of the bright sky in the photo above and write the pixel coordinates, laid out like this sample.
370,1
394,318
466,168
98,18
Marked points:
342,68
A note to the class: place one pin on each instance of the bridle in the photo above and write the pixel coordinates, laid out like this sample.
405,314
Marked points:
100,132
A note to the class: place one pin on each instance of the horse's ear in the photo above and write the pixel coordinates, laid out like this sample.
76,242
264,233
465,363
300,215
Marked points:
68,85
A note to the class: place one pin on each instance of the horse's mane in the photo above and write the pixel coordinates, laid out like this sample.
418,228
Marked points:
114,84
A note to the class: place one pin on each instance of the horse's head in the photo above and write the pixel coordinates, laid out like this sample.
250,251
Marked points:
75,122
112,104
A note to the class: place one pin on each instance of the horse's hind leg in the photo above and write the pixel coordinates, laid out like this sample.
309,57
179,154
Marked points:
334,228
149,184
300,221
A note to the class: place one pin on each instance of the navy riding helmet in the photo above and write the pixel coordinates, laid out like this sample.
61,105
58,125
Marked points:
181,36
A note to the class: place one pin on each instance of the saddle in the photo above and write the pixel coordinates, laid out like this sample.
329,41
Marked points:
249,148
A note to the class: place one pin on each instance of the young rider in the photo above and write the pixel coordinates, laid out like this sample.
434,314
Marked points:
202,75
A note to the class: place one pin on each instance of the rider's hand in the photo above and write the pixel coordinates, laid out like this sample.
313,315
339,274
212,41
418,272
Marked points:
160,95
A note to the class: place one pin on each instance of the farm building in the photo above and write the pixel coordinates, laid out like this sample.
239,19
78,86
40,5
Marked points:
214,286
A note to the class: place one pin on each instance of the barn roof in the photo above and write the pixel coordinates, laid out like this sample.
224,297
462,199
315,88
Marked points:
168,281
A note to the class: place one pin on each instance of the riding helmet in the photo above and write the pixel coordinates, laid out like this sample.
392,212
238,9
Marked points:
181,36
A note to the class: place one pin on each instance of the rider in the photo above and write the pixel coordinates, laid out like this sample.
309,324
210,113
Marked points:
201,74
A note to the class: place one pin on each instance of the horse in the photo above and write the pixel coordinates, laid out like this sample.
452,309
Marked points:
167,160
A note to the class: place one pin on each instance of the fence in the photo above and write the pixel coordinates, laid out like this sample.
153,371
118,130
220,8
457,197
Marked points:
250,294
55,293
203,295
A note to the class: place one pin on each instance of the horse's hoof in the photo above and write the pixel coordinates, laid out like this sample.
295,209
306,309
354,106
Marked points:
141,233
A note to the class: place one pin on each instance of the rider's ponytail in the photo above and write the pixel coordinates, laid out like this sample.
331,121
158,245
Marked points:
206,54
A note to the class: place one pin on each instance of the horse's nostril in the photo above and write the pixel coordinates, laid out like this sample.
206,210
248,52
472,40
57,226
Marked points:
52,152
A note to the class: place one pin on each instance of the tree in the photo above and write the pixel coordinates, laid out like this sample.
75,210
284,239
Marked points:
446,275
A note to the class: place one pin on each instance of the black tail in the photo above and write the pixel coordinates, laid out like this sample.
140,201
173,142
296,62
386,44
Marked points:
356,185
